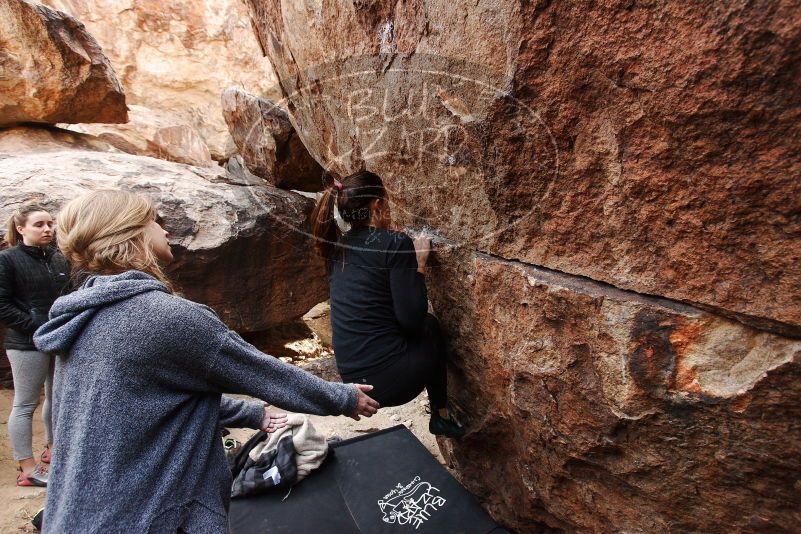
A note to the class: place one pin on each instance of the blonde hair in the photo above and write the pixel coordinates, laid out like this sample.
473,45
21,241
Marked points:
18,218
104,232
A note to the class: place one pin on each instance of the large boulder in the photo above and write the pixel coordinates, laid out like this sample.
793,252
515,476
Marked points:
53,70
36,139
593,409
616,191
650,147
179,56
159,134
239,247
318,319
268,143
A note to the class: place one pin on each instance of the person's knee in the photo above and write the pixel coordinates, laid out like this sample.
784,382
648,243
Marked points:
24,409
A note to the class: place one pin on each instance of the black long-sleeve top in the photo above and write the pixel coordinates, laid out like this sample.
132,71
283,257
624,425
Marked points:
378,299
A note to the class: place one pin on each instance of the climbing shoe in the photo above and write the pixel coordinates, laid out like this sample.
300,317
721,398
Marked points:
47,455
448,428
37,477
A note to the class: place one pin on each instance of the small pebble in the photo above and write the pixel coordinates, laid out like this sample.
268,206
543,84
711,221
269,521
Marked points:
408,423
33,495
394,417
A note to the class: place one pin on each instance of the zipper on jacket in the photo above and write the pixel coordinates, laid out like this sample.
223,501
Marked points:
47,264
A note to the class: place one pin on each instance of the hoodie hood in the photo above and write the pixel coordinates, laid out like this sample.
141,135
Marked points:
71,313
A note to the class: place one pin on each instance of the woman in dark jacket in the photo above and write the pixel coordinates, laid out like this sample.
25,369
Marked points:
33,273
382,332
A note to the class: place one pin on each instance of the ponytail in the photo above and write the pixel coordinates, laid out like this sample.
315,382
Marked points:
351,197
12,236
324,227
18,218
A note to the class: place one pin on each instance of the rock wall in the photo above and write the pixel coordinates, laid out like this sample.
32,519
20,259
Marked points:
179,56
615,192
236,244
267,141
651,148
156,133
618,412
53,70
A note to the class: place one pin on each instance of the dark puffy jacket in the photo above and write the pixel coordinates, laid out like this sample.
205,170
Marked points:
31,278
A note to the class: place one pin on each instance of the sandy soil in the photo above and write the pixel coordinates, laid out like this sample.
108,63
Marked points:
18,505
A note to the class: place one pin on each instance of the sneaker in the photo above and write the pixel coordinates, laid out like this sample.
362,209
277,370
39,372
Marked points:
46,455
37,477
448,428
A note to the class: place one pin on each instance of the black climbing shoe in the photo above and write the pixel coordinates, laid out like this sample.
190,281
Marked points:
448,428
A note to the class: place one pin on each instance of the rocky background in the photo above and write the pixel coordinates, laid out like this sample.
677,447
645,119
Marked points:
65,128
614,191
175,58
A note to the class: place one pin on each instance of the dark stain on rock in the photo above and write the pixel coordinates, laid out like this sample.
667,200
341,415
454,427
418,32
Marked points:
176,221
652,363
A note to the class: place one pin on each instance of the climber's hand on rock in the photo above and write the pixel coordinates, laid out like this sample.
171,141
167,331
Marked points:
422,247
365,405
273,421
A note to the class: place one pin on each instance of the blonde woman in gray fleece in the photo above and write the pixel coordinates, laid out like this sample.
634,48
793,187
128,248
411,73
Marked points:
138,383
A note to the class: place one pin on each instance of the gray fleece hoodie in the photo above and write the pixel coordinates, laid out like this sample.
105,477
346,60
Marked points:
137,393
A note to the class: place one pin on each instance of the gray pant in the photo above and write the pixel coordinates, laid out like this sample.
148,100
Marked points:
31,370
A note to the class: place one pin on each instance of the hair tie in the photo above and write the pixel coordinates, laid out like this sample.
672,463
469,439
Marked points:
338,185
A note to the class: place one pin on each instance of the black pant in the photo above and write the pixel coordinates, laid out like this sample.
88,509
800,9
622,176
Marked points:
423,365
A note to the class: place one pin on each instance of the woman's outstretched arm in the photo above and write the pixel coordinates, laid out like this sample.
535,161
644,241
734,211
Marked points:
239,413
240,367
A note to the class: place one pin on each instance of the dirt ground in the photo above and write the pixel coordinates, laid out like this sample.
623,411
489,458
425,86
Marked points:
18,505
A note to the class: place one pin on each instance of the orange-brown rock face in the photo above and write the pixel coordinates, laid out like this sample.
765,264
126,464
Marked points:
178,56
52,70
617,190
651,147
593,409
268,143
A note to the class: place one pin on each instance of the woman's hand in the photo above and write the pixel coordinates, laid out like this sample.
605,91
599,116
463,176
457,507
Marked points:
365,405
422,246
273,421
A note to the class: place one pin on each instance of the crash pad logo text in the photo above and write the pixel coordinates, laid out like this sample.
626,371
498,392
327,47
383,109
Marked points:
412,504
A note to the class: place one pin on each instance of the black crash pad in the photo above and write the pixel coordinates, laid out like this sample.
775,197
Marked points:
384,482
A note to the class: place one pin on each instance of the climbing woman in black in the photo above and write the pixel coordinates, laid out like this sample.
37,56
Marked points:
382,332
